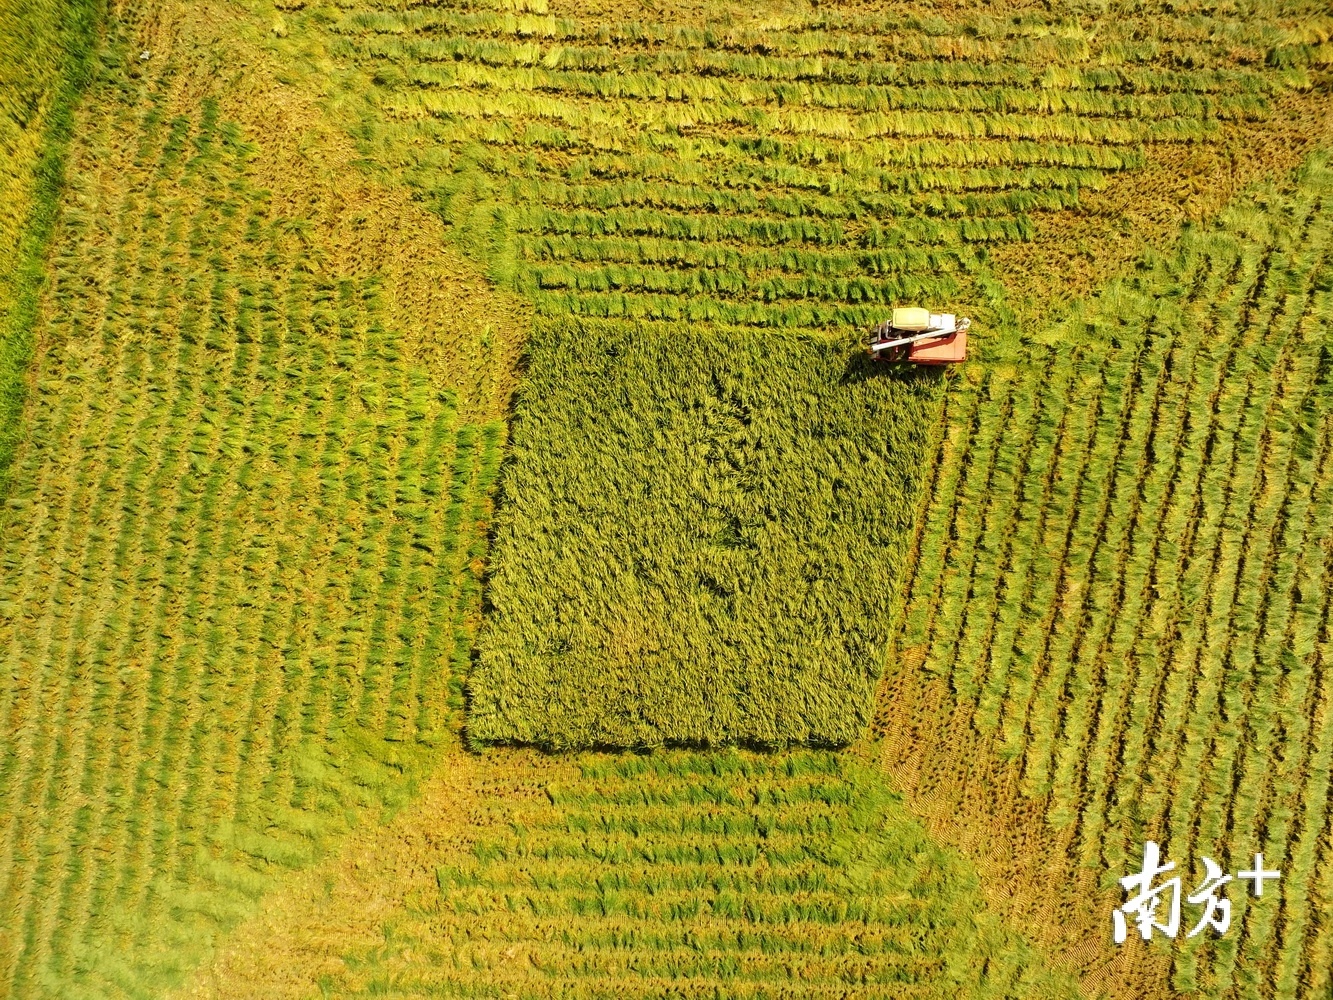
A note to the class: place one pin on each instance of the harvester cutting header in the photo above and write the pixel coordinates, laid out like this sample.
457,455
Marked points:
921,337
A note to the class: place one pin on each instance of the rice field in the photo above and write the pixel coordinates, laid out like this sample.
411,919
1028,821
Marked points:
798,174
236,581
408,377
1117,616
680,189
677,874
696,540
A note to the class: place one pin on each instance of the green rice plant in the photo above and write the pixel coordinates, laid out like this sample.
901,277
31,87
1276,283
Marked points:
45,64
731,561
1108,570
995,401
1017,571
1129,665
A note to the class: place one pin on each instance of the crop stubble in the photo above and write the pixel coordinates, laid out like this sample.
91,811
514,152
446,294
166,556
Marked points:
240,556
588,875
1128,636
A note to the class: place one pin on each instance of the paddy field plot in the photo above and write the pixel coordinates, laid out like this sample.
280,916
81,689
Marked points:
236,580
699,540
719,192
1117,621
249,524
674,874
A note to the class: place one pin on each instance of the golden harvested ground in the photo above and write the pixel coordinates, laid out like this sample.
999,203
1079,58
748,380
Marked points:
303,933
632,876
1075,251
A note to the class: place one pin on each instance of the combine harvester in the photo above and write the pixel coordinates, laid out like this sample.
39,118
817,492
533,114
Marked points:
920,337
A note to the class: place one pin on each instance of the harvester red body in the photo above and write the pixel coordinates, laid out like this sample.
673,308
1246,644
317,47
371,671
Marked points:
921,337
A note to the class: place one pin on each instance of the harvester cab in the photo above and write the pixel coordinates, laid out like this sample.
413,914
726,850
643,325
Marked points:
920,337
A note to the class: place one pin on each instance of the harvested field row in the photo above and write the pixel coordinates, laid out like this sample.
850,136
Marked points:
1119,595
237,567
1198,40
689,874
617,83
